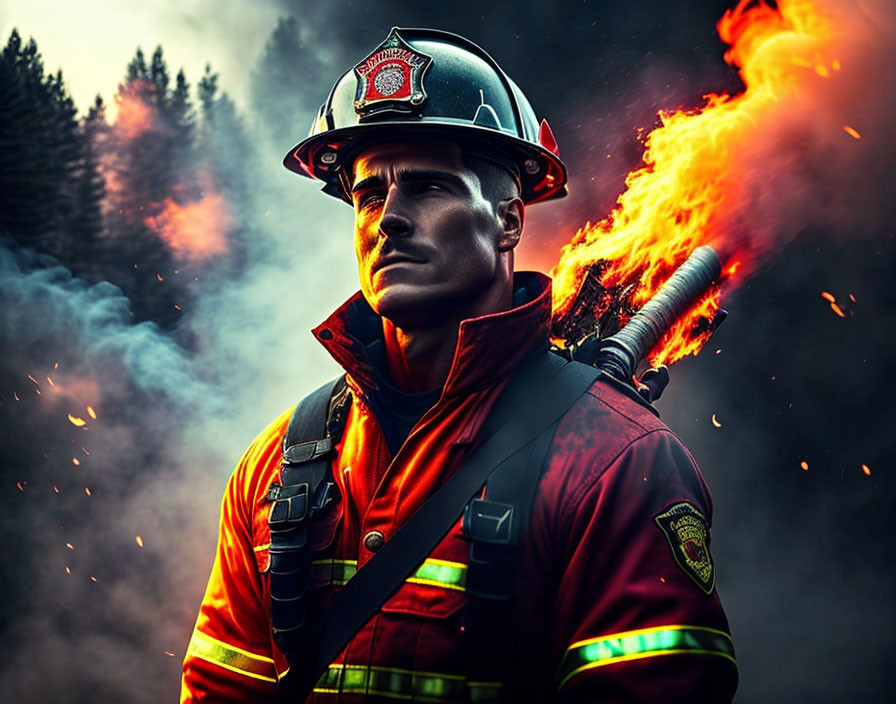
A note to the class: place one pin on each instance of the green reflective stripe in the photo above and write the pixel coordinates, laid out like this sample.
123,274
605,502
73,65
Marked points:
395,683
441,573
484,691
433,572
335,572
231,658
645,643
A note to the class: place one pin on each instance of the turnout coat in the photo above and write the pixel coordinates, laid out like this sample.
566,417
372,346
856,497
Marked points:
614,598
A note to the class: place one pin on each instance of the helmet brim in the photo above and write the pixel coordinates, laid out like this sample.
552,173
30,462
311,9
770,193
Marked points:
326,156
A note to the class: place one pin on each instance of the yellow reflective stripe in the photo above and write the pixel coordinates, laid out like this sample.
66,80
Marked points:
397,683
644,643
231,658
433,572
259,548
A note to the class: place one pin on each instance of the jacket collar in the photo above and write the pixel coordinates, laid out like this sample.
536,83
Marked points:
488,347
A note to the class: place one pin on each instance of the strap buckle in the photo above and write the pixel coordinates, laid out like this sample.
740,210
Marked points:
489,526
307,451
488,522
290,506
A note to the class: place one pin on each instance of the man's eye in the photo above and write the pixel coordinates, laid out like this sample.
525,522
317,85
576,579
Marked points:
370,200
429,188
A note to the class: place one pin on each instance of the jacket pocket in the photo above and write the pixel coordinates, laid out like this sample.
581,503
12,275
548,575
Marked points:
435,590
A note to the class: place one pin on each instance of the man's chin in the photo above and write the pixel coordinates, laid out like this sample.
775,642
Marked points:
404,303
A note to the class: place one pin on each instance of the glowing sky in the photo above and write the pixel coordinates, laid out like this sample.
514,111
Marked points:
93,40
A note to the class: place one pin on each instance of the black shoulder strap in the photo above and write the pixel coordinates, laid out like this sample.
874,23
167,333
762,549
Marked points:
495,526
305,488
511,426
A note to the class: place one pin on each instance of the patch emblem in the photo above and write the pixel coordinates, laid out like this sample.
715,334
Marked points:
687,531
391,78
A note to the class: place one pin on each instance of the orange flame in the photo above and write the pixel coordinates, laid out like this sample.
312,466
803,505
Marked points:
692,187
133,115
195,231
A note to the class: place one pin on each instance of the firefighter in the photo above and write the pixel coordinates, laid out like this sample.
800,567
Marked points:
612,587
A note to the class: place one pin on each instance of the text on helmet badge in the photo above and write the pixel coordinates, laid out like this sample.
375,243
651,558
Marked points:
391,78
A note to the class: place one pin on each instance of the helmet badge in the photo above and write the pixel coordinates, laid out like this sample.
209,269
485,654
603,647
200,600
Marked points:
391,78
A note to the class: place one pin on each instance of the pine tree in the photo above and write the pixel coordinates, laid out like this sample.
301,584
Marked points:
20,207
65,148
43,151
144,163
137,68
290,81
182,118
159,80
90,194
208,92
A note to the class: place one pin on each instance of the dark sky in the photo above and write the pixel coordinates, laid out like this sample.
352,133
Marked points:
804,557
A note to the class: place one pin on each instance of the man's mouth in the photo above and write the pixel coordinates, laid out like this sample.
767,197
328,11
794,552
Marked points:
394,258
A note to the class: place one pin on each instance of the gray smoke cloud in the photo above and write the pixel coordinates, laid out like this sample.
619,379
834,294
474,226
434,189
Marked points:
86,596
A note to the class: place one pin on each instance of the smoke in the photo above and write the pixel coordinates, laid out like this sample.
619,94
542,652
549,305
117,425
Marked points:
79,592
821,155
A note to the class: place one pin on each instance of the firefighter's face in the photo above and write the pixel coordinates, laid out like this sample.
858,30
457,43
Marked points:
428,242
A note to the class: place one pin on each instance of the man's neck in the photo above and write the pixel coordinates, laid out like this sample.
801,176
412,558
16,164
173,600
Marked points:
419,357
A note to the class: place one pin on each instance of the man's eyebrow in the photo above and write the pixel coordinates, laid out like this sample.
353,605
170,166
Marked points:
412,176
369,182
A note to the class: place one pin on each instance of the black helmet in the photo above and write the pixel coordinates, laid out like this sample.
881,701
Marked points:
428,81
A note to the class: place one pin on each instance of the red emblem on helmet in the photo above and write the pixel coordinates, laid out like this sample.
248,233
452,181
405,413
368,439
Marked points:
391,78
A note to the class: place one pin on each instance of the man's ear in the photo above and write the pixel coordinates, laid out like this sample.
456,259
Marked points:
511,217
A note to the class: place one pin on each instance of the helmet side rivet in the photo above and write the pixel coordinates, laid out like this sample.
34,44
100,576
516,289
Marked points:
328,157
531,167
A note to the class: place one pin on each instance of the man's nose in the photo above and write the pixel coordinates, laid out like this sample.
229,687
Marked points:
395,222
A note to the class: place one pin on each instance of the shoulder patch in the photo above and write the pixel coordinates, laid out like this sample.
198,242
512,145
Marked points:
687,531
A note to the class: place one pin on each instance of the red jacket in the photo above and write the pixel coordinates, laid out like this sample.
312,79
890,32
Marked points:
614,600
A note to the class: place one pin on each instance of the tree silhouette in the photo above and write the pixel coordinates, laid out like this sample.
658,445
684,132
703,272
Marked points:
103,196
43,157
291,79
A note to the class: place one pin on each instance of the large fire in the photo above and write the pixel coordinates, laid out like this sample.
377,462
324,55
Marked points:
195,231
692,188
133,115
